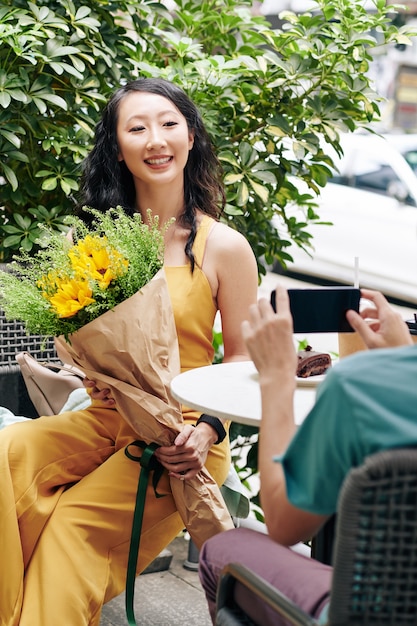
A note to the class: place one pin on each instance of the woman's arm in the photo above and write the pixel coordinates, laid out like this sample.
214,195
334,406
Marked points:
231,266
269,338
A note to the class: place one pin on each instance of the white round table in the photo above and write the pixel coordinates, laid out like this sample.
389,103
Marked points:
231,391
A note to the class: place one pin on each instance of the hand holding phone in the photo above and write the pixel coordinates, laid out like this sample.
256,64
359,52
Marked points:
322,309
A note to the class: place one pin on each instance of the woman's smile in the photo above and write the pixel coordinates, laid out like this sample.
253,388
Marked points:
158,161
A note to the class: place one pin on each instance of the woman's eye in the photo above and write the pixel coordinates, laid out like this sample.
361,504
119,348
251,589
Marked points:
170,123
135,129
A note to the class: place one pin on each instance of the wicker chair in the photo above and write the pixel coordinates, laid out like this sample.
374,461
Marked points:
375,553
13,339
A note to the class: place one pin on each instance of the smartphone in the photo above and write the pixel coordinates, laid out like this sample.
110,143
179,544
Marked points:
322,309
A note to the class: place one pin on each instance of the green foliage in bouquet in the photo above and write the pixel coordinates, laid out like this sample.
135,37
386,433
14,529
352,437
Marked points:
69,283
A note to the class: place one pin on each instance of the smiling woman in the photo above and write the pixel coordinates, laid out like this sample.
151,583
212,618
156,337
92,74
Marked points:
151,152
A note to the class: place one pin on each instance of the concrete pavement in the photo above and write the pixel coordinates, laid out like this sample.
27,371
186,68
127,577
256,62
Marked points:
173,597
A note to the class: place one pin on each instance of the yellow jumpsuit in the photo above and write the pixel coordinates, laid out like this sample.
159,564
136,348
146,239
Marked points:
68,490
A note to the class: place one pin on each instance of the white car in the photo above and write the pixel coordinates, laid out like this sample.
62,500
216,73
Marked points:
372,204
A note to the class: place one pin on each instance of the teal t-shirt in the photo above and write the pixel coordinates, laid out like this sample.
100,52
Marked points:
366,403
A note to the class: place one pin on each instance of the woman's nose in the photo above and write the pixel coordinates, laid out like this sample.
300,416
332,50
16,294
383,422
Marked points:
156,139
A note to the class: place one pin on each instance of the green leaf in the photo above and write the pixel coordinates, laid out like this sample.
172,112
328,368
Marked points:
232,210
49,184
264,176
17,94
246,153
228,157
10,176
242,194
61,67
276,131
54,49
18,156
22,221
50,97
260,190
280,122
40,104
230,179
42,173
5,99
12,242
26,244
11,137
68,185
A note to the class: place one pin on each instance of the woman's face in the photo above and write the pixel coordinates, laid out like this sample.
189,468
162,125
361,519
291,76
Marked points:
153,138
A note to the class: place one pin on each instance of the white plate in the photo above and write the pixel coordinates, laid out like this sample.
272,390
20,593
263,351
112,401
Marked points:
310,381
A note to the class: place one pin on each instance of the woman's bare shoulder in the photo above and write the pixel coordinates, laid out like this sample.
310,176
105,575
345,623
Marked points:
225,238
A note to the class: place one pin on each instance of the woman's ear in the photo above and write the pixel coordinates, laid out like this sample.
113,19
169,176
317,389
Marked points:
191,135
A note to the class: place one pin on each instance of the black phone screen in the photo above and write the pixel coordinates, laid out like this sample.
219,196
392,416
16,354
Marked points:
321,310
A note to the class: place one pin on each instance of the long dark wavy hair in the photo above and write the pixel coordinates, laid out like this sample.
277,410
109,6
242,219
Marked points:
106,182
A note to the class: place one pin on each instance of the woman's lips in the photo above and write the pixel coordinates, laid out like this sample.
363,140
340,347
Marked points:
158,160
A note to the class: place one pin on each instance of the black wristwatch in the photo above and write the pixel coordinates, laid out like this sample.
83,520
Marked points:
215,423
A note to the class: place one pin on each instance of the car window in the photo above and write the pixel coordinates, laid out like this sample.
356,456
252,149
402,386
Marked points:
377,179
411,158
370,173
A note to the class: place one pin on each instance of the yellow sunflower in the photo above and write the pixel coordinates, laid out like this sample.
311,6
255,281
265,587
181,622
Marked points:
71,296
94,258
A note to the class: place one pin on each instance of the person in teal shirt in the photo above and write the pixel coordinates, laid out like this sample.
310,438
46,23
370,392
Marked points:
365,404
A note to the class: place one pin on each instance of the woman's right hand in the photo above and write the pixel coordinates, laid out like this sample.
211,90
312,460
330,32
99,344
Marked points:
101,395
384,327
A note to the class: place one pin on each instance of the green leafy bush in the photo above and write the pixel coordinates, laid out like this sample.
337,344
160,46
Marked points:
261,91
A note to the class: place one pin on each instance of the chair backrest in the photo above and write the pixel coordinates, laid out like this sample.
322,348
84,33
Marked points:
375,553
14,339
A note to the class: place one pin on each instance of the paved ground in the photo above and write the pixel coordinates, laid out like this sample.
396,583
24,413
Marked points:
173,597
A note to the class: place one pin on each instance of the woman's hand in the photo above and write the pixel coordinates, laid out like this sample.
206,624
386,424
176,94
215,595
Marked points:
100,395
187,456
384,327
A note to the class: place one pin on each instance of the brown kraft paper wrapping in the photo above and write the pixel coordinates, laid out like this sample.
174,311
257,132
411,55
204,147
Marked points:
133,351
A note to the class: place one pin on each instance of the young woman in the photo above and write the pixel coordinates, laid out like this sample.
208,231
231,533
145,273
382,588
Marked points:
68,491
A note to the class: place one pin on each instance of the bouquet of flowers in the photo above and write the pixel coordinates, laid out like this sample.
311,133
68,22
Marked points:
103,295
72,281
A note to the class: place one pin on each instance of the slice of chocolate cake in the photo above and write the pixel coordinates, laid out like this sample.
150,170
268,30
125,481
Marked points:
311,363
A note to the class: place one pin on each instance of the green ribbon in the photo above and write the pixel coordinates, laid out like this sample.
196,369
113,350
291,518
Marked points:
148,463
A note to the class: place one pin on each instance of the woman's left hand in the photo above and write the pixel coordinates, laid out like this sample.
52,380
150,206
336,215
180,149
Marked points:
100,395
186,457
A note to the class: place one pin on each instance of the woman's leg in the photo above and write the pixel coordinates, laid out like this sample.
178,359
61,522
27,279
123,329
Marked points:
80,560
89,535
305,581
66,511
39,460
